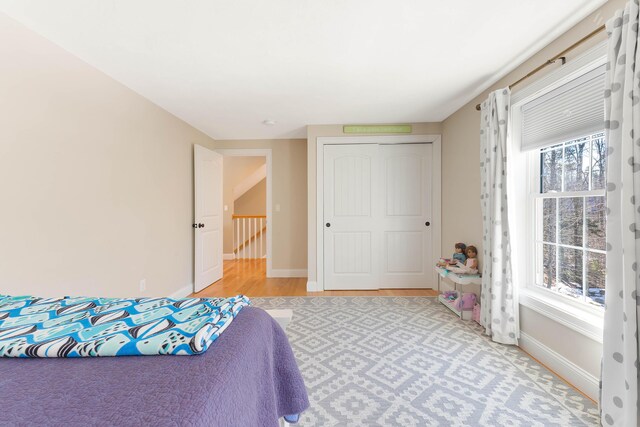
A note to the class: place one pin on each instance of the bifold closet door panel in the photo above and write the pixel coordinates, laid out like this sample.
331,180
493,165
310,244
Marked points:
352,246
405,217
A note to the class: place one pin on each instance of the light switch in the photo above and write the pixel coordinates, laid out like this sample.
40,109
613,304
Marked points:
226,208
277,207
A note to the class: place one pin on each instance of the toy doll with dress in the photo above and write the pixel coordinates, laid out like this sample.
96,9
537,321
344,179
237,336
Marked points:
470,266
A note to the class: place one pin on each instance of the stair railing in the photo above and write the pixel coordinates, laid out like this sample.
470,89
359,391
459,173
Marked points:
249,235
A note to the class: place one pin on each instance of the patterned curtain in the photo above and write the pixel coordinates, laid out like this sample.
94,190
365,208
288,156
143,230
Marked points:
498,306
619,385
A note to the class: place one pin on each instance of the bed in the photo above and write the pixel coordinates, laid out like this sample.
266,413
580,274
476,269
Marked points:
248,377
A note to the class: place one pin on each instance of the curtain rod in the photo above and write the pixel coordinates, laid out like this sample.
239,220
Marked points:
553,60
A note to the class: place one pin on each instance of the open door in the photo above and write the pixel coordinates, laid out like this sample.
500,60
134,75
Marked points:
208,217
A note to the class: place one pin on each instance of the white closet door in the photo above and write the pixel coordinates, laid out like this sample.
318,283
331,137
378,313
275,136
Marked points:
351,216
377,215
406,216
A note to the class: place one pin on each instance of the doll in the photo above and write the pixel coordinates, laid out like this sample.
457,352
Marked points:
458,256
472,258
470,266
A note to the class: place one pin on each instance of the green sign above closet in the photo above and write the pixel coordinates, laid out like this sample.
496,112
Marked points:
376,129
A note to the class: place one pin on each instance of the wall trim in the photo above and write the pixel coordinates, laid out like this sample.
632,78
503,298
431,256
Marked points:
183,292
312,286
289,273
267,153
569,371
229,257
436,180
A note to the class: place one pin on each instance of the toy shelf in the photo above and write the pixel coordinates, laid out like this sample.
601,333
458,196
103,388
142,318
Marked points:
464,315
457,279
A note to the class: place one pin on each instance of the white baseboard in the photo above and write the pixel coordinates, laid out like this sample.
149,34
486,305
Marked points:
574,374
228,257
288,273
182,292
312,286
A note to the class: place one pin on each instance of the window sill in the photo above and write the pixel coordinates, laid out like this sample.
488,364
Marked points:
581,319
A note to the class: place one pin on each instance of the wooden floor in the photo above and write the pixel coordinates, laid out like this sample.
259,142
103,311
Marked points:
248,277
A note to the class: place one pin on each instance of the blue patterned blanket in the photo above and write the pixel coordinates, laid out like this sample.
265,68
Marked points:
89,327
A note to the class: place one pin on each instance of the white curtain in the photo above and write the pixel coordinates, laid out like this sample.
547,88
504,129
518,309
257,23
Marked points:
498,311
619,385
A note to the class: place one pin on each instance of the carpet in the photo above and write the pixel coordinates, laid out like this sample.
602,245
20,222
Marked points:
408,361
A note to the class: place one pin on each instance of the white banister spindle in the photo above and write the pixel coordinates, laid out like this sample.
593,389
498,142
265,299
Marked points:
255,239
261,237
242,242
248,237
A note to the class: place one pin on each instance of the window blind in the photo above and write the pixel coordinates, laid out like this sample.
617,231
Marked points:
572,110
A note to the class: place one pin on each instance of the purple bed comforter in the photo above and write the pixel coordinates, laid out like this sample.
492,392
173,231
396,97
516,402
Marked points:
248,377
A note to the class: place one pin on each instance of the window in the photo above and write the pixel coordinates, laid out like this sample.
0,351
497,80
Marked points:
570,219
559,139
557,187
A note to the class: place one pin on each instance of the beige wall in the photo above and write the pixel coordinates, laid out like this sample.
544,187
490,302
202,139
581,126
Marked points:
581,350
289,190
235,169
253,202
314,132
462,219
96,182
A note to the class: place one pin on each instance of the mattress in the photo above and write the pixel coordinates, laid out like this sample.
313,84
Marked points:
248,377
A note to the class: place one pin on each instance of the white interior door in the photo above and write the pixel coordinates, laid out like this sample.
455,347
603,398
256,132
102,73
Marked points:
406,216
377,215
351,213
208,217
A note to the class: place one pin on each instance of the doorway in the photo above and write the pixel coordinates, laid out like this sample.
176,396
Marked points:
232,215
247,231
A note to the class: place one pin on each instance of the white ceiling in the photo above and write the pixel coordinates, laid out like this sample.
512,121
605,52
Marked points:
224,66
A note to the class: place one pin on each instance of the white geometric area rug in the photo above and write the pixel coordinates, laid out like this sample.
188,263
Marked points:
409,361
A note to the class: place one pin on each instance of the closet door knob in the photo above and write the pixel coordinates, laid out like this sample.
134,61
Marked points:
427,223
194,225
328,224
200,225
